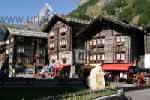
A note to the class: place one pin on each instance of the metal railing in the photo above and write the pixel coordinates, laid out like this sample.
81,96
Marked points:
81,95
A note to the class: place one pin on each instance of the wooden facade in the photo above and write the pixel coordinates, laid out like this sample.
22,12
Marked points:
26,49
3,56
63,45
109,41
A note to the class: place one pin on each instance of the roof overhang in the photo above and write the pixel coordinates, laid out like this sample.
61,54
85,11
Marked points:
69,22
98,24
27,33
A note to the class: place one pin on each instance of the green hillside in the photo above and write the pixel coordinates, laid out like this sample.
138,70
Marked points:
135,12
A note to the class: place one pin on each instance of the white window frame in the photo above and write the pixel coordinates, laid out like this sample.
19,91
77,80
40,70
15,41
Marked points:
99,41
94,57
123,57
51,45
91,57
103,40
118,38
52,33
122,38
102,56
94,42
20,50
118,56
98,57
91,42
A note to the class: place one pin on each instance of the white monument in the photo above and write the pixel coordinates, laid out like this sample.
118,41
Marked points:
96,79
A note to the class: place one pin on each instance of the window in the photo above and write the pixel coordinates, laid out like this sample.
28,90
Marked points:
40,51
66,56
100,57
91,57
23,60
63,29
12,40
53,57
7,42
51,33
38,61
11,50
20,38
94,57
41,61
81,56
27,60
63,42
51,45
91,42
120,38
101,40
98,41
19,60
20,50
7,51
120,56
94,42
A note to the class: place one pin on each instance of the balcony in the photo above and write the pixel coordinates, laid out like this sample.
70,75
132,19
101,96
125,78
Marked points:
37,55
119,43
51,48
51,37
63,46
20,54
92,46
119,61
63,33
100,45
121,49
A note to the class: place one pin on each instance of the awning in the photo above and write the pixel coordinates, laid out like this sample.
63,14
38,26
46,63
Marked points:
60,66
116,67
90,66
28,65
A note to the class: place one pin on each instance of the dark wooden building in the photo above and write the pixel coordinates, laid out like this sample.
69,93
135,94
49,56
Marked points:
64,48
109,41
3,57
26,50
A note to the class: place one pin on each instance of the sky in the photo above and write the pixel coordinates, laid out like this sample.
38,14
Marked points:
32,7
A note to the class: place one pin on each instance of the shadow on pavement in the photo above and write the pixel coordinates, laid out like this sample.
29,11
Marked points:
126,89
123,97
